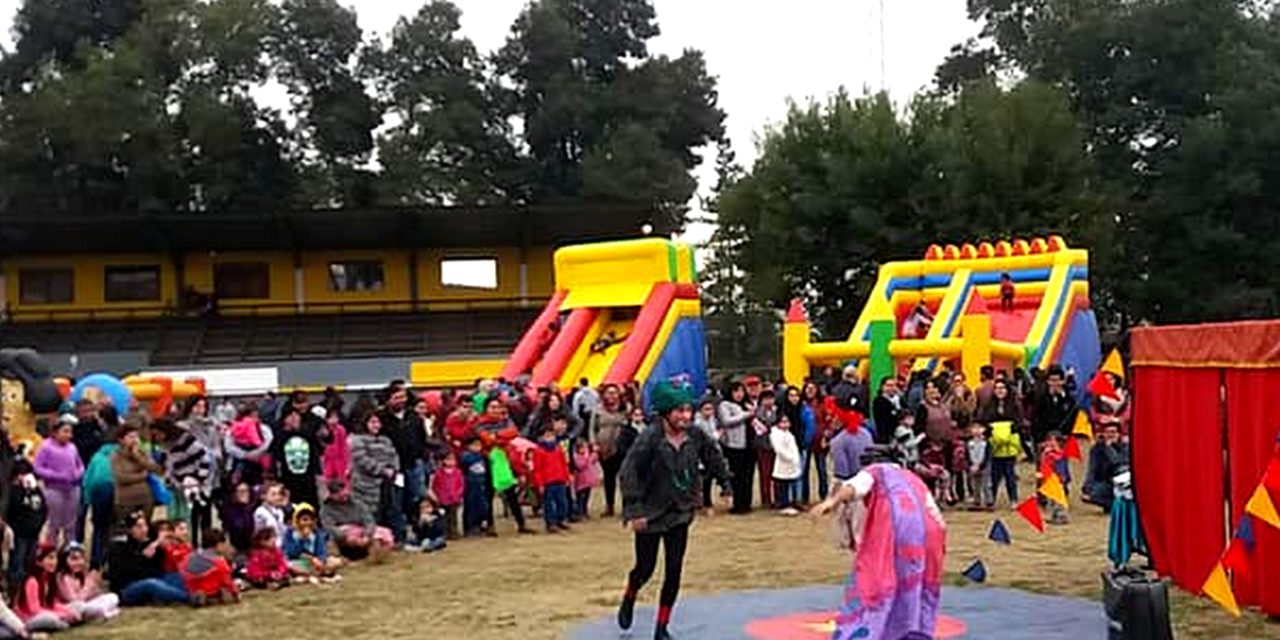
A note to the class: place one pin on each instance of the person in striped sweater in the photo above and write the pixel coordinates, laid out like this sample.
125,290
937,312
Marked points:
187,470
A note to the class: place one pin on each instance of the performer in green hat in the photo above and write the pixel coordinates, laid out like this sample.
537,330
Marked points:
661,490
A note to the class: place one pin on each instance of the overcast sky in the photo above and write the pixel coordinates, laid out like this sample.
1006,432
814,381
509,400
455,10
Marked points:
762,51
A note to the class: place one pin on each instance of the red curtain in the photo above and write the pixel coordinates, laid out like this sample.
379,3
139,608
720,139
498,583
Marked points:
1178,469
1253,417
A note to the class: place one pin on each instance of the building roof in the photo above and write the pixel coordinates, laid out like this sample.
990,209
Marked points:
316,229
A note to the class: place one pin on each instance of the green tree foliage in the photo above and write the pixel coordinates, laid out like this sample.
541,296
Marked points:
842,187
603,118
451,142
1177,98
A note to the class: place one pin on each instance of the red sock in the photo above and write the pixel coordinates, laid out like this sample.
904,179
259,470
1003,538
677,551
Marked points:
629,593
664,615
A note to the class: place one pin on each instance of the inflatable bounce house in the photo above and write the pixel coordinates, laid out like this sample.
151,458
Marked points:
27,389
1020,303
156,394
623,311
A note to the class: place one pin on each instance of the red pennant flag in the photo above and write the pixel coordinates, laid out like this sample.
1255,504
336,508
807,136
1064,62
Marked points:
1030,511
1100,386
1272,478
1237,559
1072,450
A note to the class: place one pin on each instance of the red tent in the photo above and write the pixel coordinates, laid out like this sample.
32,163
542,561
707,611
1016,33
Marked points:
1206,417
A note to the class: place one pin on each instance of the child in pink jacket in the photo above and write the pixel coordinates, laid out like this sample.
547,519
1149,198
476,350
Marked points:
586,474
447,483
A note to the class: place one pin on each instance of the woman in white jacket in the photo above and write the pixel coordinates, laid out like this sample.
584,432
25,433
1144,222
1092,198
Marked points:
786,465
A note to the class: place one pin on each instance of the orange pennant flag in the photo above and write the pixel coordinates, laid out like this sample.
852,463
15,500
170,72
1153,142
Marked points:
1218,588
1052,489
1114,364
1260,505
1072,450
1083,427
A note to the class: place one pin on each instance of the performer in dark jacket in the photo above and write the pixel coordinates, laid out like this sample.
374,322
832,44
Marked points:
661,490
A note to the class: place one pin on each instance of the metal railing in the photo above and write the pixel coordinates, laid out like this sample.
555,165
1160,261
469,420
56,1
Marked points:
243,308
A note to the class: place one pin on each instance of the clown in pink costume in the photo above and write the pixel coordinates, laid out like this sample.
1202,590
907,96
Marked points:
892,524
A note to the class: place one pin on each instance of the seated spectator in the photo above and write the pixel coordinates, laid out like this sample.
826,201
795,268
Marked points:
135,567
266,568
82,588
1108,458
431,527
207,572
306,546
177,544
38,602
11,626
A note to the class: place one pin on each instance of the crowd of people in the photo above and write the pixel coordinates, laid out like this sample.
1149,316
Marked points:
286,490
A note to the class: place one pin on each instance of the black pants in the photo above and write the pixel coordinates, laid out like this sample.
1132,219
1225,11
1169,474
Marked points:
611,467
511,498
742,464
201,521
675,540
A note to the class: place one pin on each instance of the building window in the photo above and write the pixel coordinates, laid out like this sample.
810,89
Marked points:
134,283
46,286
242,280
356,275
469,273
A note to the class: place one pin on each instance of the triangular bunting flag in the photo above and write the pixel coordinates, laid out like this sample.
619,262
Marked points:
999,533
1052,489
1245,532
1072,450
1218,588
1261,506
1237,559
977,572
1100,386
1114,364
1082,426
1271,479
1030,511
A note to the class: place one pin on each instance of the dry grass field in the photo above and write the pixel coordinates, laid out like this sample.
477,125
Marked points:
538,587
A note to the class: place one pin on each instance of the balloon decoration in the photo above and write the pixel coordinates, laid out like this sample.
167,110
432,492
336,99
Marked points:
99,386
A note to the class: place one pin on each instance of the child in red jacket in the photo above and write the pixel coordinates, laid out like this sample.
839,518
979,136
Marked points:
551,477
176,545
208,574
267,567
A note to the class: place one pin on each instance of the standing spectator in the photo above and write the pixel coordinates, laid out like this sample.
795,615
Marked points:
847,448
25,515
934,416
1054,408
705,419
551,477
786,465
979,471
97,492
187,470
586,401
295,458
89,432
131,468
821,444
765,416
887,410
506,472
586,474
410,441
247,443
448,486
735,425
335,462
606,421
59,467
374,467
197,422
477,511
1002,419
986,382
1115,409
804,428
961,401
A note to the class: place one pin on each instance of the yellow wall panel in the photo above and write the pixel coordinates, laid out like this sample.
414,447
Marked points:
199,271
395,273
432,289
541,272
88,273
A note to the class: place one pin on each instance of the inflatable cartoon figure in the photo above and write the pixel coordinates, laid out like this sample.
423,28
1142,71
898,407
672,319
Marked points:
27,389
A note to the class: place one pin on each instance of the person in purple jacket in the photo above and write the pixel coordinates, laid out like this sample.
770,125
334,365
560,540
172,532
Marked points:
847,448
60,469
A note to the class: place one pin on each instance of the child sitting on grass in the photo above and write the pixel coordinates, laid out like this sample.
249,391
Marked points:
448,487
267,568
430,527
207,573
82,588
307,547
177,544
38,602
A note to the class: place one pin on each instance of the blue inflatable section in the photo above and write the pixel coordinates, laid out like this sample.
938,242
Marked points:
684,355
1082,351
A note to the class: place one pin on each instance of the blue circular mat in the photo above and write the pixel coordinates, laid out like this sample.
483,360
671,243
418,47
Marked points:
989,614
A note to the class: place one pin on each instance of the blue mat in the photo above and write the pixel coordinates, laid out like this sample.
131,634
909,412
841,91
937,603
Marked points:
990,614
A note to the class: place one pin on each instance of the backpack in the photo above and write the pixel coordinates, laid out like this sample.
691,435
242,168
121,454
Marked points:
1005,442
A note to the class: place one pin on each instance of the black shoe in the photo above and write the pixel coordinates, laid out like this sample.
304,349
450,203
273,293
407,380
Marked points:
660,633
626,611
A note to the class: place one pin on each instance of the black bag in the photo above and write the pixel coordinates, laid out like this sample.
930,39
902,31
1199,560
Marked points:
1137,605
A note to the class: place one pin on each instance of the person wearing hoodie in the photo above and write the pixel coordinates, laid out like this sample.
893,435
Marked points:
207,573
295,457
551,477
59,467
97,494
335,462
